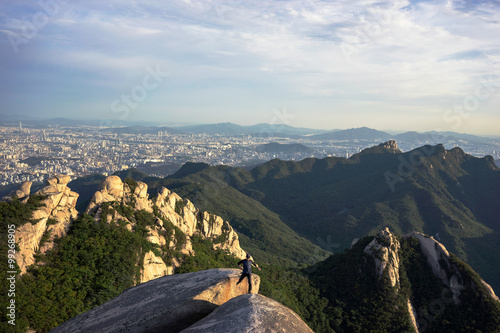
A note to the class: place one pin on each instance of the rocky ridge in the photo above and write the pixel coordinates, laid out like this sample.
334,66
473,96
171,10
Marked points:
113,196
385,251
116,202
385,247
438,259
49,221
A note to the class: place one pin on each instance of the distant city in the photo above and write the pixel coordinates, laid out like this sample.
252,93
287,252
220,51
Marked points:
29,152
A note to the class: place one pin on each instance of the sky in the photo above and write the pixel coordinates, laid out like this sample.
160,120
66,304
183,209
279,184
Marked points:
390,65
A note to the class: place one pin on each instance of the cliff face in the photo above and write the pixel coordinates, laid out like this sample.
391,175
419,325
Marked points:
168,207
51,220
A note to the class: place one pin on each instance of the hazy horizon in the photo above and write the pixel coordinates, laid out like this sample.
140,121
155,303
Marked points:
399,65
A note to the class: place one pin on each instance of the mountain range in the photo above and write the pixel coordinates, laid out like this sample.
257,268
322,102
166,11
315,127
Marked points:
444,193
88,265
258,130
381,241
281,130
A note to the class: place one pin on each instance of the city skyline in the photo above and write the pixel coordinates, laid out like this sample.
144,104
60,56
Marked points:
399,65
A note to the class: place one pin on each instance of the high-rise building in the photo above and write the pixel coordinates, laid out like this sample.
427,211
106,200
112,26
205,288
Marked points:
20,126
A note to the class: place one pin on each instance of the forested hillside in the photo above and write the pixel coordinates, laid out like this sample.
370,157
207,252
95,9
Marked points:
445,193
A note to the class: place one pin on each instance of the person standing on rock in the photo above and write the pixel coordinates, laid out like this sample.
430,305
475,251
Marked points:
246,265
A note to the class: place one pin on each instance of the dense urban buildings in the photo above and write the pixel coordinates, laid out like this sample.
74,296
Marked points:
31,153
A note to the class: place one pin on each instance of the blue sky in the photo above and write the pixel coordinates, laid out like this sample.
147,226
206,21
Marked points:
400,65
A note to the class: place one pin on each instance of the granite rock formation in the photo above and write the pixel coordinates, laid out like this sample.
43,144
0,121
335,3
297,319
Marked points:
250,313
385,251
391,145
167,304
438,259
51,219
384,248
169,208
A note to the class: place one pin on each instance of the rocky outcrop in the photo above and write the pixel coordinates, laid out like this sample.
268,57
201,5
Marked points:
184,215
111,189
250,313
438,259
385,250
52,219
168,208
168,304
490,291
22,193
391,145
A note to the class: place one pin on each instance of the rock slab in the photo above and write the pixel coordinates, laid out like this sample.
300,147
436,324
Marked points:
167,304
251,313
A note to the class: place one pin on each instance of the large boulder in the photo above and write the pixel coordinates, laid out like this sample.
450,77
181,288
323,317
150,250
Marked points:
167,304
25,188
22,193
250,313
112,185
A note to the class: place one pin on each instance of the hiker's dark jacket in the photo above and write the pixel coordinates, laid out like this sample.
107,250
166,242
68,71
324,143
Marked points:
247,265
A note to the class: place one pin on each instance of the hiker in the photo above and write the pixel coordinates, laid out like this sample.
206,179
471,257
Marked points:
247,270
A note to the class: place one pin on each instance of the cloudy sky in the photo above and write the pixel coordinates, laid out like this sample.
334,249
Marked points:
400,65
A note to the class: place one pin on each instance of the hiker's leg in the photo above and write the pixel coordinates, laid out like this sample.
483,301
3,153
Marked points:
249,283
241,278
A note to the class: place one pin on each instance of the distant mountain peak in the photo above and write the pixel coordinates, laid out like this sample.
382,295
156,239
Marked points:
388,147
391,145
361,133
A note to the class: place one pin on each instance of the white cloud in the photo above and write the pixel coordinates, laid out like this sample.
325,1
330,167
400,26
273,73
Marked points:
404,52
